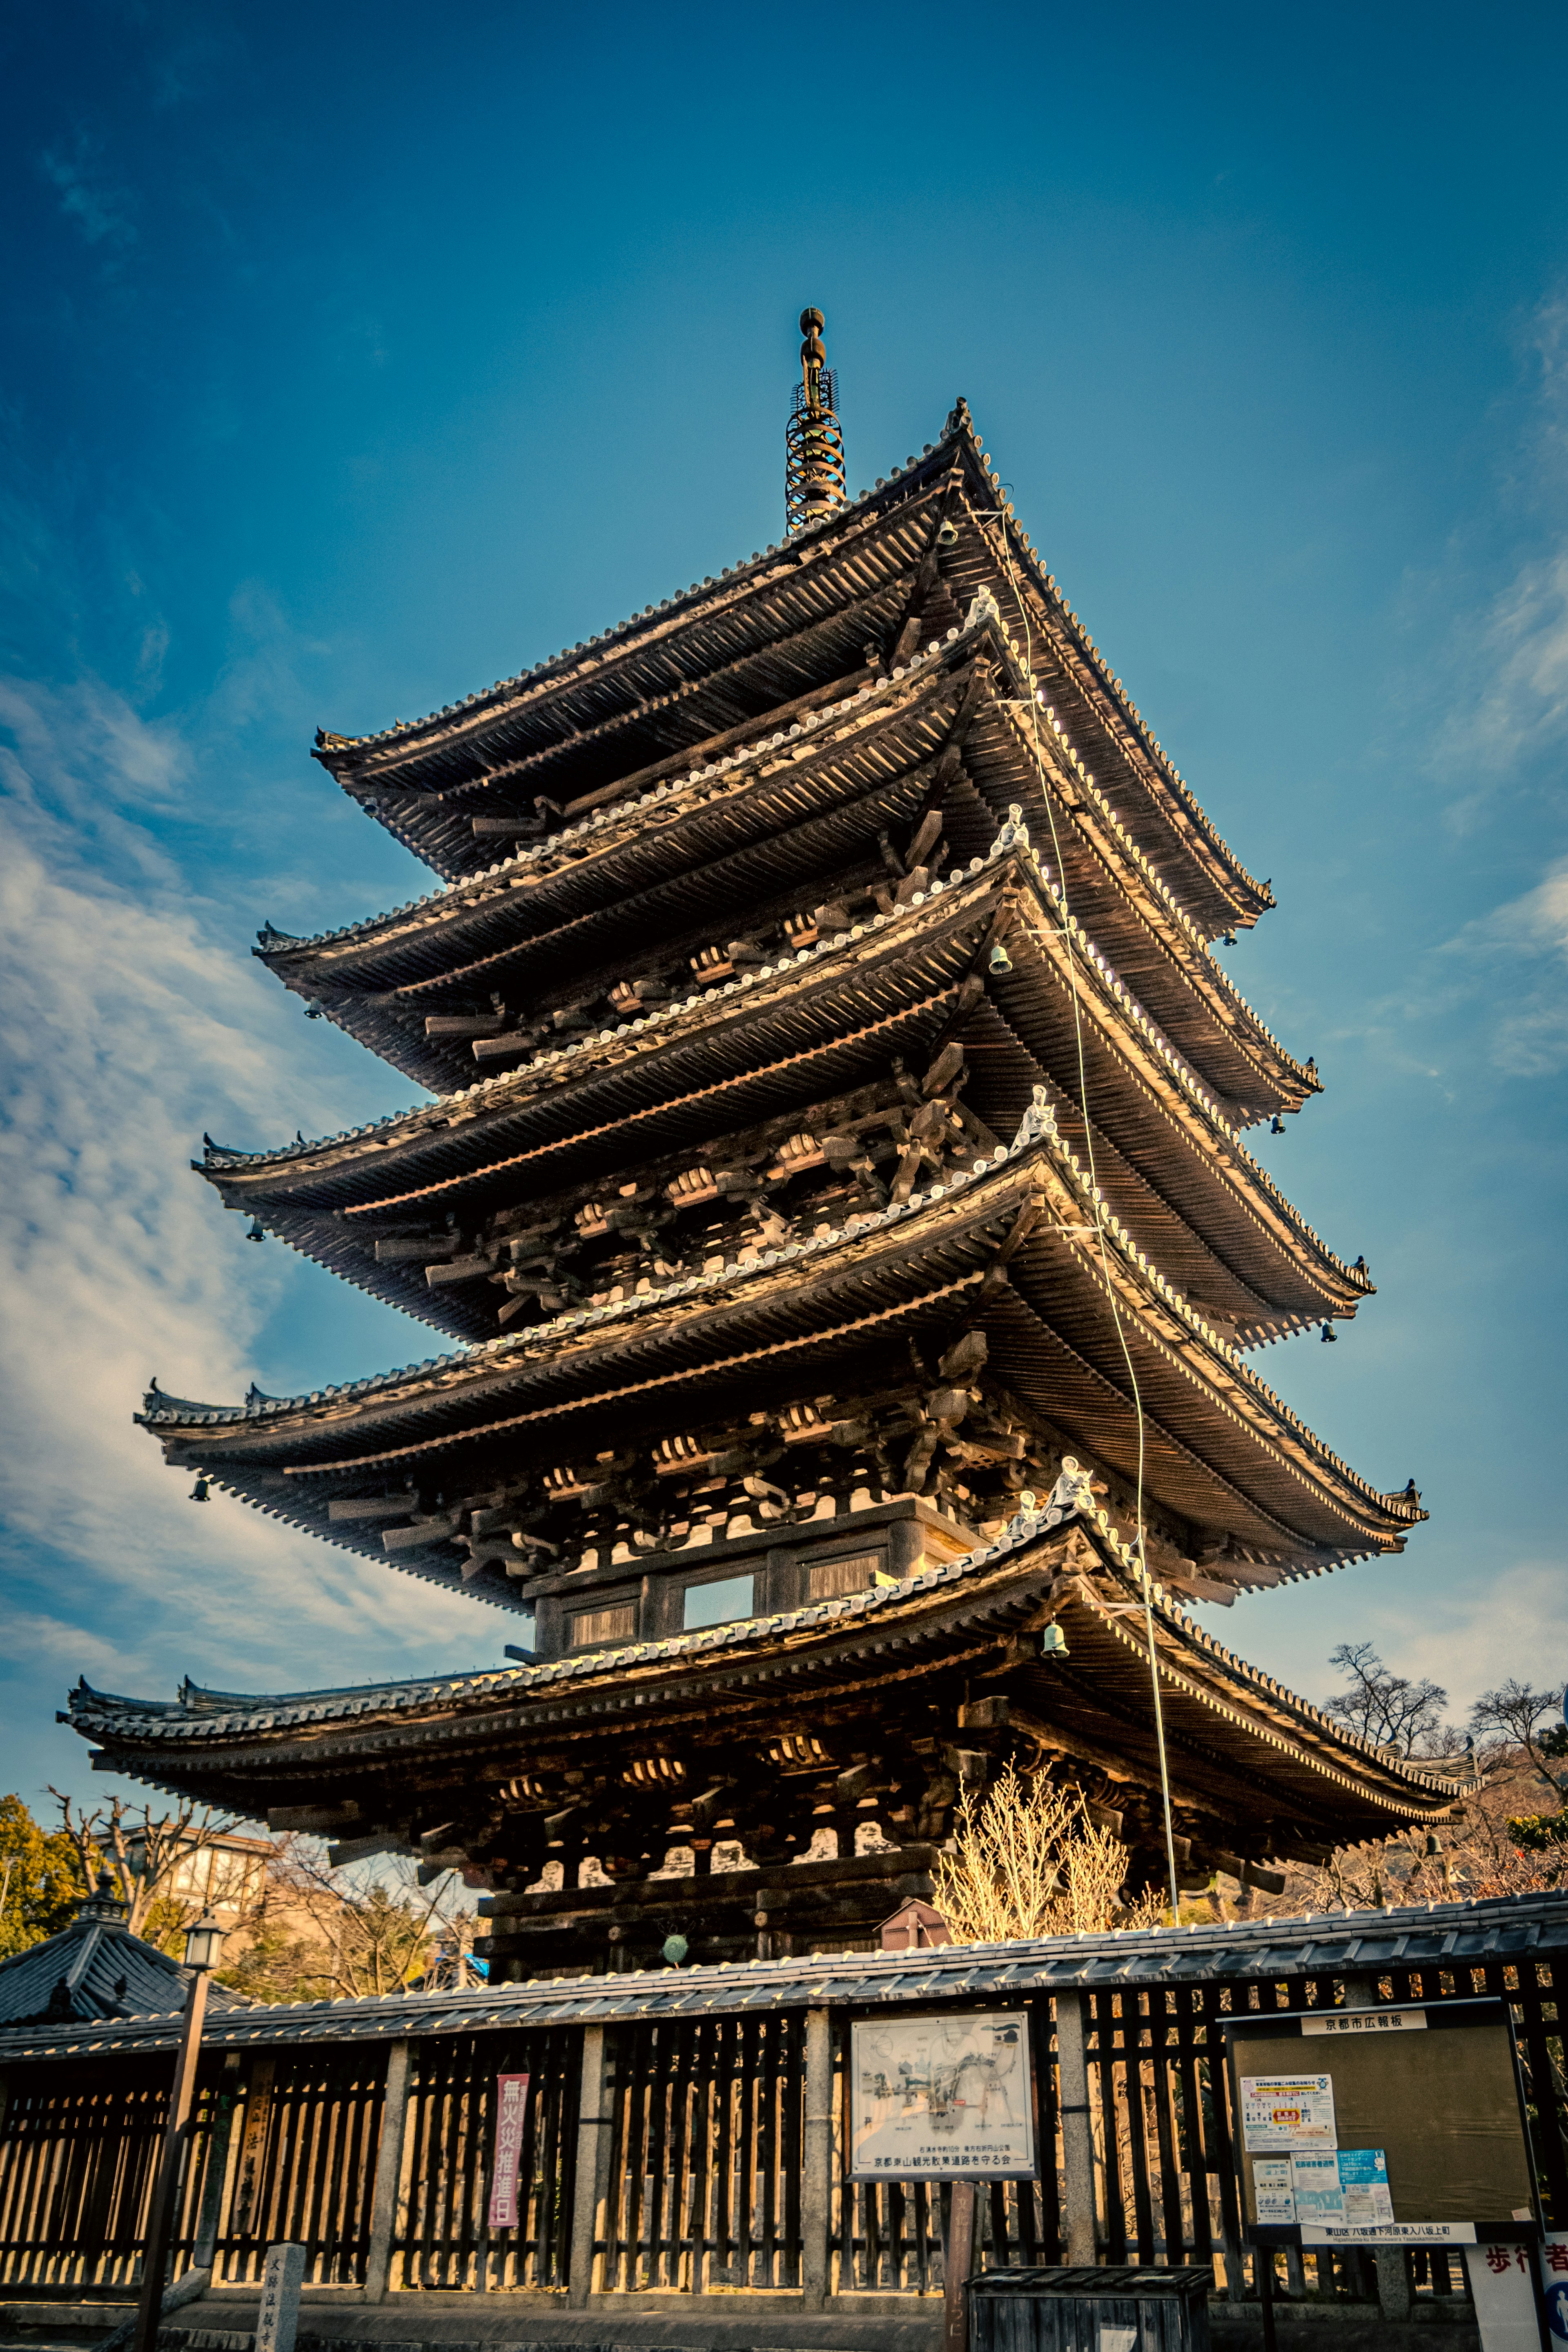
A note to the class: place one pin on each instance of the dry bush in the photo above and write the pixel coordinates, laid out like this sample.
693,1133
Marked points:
1029,1861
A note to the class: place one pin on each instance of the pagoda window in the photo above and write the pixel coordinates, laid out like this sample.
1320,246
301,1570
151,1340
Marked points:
590,1626
718,1601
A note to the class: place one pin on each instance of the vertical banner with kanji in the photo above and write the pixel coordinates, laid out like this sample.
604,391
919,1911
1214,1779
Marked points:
512,2104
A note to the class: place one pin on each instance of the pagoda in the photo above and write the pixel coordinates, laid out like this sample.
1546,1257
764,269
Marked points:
831,1189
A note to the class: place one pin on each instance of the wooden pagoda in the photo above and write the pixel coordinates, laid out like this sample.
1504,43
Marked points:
832,1183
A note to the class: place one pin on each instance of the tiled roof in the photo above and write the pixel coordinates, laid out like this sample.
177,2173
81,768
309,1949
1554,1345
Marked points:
1036,1137
95,1968
1520,1929
957,433
218,1717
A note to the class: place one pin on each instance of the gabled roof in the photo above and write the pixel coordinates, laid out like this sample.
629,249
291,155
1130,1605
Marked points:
790,622
1220,1713
96,1969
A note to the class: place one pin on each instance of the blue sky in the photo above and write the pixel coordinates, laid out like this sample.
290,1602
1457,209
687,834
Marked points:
359,356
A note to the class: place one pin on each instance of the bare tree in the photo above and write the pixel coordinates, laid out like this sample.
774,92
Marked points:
1513,1713
321,1933
1028,1862
1387,1708
145,1854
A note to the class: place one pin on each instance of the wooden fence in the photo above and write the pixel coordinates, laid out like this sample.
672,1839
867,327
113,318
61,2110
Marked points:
707,2141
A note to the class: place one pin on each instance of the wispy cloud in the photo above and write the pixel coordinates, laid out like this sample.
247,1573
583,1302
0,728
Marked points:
1502,697
129,1027
1522,947
97,210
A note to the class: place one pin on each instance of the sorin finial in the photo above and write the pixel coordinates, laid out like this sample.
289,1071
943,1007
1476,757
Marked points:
813,444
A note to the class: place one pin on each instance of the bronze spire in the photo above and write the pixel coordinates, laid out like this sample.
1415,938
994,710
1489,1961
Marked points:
813,444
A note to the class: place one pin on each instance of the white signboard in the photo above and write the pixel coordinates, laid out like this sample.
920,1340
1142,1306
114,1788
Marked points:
1273,2187
943,2096
1287,2114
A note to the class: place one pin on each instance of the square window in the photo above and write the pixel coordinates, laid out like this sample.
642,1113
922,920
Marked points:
719,1603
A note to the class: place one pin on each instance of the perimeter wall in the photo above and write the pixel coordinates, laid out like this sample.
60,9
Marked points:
685,2131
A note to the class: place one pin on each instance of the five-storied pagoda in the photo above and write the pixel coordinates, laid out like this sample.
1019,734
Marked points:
833,1186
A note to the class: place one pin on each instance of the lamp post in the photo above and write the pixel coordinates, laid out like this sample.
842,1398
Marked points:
204,1942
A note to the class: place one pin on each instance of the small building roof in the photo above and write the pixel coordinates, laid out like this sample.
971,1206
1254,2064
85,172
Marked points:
96,1969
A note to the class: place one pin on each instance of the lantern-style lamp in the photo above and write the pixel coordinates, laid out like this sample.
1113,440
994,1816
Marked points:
204,1942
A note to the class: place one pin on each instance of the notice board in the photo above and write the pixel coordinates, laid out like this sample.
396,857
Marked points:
1399,2125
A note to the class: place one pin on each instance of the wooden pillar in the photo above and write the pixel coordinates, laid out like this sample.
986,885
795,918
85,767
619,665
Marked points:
218,2134
816,2175
1078,2136
595,2115
1392,2262
388,2173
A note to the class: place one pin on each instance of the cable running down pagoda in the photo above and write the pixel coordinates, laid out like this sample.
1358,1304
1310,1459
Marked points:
833,1187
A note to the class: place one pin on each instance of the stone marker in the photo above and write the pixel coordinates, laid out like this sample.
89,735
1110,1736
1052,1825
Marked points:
278,2318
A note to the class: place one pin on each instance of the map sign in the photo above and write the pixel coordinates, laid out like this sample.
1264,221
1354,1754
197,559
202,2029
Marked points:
943,2096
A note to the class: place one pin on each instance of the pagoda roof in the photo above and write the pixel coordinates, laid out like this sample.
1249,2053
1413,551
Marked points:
1222,1449
1235,1738
789,796
789,623
1175,1166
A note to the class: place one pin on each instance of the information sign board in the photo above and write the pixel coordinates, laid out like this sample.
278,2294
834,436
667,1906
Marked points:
1407,2126
948,2095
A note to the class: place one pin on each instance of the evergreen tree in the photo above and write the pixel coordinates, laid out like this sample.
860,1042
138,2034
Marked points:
41,1878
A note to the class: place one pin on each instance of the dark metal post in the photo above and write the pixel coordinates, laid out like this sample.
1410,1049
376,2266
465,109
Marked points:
202,1947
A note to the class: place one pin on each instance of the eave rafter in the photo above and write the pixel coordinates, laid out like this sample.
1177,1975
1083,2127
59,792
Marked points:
870,550
1223,1716
902,967
824,1296
553,908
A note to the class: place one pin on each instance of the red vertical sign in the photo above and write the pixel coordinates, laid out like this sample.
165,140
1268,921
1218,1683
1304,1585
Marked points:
512,2103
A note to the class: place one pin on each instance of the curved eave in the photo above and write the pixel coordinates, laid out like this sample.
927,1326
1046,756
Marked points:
1224,1450
873,545
1220,1712
735,1050
718,836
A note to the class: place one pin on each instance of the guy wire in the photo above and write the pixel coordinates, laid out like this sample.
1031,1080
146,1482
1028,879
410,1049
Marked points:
1099,1223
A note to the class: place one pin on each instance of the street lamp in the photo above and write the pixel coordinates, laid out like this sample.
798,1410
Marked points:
204,1942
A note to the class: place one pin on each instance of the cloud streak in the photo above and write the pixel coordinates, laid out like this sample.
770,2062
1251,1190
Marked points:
130,1028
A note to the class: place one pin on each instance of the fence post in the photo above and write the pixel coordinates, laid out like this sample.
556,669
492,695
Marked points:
388,2173
1393,2263
1077,2137
816,2181
219,2131
595,2116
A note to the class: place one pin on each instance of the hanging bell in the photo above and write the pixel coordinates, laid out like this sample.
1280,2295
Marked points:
1053,1643
1330,1335
314,1008
1278,1127
258,1231
198,1493
1000,959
